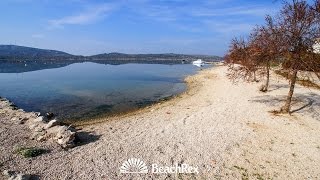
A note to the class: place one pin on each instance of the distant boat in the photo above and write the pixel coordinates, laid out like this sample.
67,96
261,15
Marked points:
198,63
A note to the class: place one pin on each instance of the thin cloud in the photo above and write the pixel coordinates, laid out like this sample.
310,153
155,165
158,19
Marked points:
252,11
193,17
156,12
229,28
38,36
90,16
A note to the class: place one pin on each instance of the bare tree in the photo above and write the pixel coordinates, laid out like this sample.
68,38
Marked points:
242,65
248,58
290,37
299,29
265,42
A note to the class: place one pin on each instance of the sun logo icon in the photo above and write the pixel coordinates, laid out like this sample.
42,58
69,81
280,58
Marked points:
133,165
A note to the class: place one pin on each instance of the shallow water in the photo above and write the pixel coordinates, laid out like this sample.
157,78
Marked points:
85,90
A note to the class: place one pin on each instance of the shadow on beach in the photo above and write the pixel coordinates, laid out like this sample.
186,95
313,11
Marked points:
274,87
301,103
84,138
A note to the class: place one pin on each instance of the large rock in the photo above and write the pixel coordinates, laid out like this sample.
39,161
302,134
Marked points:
12,175
37,126
38,119
51,123
63,136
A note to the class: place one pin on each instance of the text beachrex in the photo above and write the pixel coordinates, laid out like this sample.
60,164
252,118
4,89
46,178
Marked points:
135,165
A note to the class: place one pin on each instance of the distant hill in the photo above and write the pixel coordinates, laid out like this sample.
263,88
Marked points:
153,57
21,51
12,53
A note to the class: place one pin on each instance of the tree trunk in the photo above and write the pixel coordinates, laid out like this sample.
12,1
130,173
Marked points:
254,76
266,86
268,75
293,79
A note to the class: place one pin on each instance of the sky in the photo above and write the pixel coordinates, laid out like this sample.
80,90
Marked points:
87,27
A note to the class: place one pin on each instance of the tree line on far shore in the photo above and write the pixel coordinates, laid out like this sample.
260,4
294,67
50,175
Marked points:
288,40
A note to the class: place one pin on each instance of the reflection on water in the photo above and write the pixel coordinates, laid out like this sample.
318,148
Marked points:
84,90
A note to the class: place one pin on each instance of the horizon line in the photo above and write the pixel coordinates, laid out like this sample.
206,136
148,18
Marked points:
108,52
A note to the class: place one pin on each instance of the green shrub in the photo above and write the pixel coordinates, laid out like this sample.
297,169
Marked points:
30,152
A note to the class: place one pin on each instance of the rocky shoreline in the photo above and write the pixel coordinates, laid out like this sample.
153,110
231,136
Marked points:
41,129
44,128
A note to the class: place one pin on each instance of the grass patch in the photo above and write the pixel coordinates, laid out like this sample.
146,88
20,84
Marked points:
258,176
308,83
274,64
282,73
244,173
240,168
303,82
275,112
30,152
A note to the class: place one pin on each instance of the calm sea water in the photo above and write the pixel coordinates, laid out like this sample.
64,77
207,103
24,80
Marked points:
84,90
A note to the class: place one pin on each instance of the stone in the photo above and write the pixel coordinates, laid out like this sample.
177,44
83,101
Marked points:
14,119
32,126
39,129
62,135
67,140
20,176
36,124
40,138
51,123
38,119
37,114
57,130
22,120
49,115
7,173
12,175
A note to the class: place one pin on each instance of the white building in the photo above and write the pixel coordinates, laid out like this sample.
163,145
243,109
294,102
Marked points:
316,46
